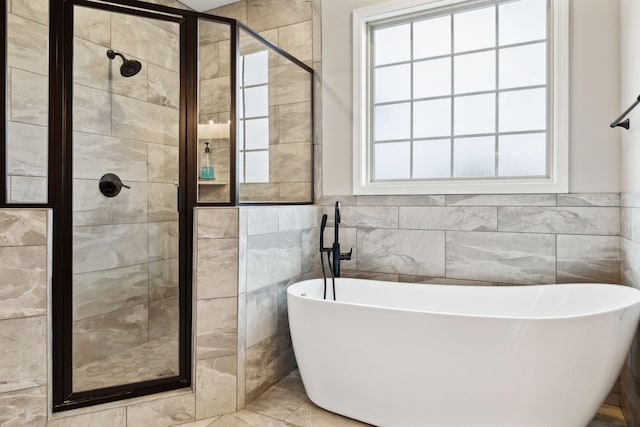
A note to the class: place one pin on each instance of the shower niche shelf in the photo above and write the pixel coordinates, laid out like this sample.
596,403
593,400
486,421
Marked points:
211,182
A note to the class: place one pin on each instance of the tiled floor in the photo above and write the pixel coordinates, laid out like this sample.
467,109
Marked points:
286,405
156,359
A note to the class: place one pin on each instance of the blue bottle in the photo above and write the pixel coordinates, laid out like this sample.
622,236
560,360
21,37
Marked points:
206,169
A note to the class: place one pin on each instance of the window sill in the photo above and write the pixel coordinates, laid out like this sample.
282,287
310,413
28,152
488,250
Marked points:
463,187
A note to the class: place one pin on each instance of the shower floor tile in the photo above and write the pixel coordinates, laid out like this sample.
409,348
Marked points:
286,405
156,359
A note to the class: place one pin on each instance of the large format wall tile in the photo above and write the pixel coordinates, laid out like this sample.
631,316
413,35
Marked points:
95,155
289,84
588,259
27,45
26,408
163,278
298,218
208,58
215,95
100,292
162,412
28,189
294,123
96,25
216,383
407,200
566,220
163,163
217,328
23,227
109,246
217,273
23,360
24,281
262,221
37,10
296,192
501,199
449,218
501,257
296,39
366,216
163,240
416,252
267,362
29,97
589,199
163,202
218,223
164,86
91,110
262,314
272,258
116,332
164,317
134,119
139,37
91,207
266,14
27,148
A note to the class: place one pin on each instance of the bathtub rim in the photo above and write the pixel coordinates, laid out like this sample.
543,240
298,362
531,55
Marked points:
292,287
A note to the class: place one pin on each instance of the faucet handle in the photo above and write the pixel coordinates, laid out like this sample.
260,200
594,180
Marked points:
346,256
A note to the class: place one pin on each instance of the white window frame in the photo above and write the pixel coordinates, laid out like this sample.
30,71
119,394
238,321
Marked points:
557,128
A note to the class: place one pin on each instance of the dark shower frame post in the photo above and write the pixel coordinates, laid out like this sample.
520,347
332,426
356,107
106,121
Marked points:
60,177
61,88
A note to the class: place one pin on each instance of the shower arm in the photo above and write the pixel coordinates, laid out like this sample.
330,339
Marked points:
112,55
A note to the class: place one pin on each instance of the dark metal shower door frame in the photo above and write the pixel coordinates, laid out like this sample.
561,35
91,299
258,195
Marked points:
61,200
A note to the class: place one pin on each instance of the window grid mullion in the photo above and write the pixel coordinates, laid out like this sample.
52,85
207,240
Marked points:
497,99
466,52
412,101
451,97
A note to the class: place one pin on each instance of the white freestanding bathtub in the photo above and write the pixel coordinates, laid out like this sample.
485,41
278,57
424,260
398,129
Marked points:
394,354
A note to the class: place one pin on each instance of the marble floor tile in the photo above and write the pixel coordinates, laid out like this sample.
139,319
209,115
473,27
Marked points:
286,405
277,402
247,419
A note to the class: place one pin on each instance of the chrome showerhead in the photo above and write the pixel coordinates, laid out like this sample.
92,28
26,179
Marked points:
130,67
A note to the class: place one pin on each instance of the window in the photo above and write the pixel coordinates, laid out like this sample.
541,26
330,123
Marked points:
467,98
253,126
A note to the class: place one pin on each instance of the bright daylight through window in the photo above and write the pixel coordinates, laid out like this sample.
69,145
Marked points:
253,129
457,94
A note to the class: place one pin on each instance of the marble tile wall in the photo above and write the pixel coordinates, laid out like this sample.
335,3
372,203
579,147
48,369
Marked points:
125,248
23,316
292,25
630,253
495,239
276,249
27,113
216,310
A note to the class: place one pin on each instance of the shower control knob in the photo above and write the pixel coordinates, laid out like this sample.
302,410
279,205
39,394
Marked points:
111,185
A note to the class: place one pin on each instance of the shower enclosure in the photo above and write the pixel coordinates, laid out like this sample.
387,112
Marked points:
136,91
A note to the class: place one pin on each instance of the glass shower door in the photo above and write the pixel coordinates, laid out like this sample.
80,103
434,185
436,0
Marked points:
126,98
